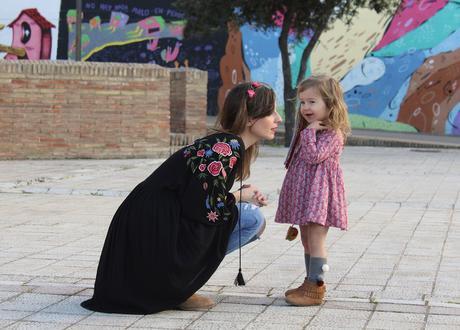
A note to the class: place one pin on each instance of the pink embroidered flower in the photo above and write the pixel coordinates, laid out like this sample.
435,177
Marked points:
212,216
224,174
215,167
256,84
232,162
202,167
251,93
200,153
222,148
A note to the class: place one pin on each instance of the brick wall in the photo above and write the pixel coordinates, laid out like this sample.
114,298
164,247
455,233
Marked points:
60,109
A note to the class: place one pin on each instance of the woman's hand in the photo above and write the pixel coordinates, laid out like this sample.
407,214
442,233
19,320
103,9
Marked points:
317,125
251,194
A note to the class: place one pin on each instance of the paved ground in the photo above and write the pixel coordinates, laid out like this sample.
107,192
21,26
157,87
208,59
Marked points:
397,267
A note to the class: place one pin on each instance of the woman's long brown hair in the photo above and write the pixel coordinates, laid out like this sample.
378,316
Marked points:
239,108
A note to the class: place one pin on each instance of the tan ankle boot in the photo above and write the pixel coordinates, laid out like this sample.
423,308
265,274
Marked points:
312,294
300,288
197,302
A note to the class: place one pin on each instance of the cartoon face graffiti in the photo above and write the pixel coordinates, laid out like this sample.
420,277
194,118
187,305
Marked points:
32,32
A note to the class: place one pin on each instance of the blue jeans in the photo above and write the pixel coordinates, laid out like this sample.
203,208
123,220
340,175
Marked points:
252,221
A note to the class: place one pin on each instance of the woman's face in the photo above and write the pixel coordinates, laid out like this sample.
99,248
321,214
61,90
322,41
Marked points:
265,128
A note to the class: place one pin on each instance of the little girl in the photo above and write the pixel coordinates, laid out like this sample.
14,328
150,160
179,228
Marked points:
313,195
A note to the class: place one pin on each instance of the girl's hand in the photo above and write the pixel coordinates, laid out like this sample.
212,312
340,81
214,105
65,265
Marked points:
317,125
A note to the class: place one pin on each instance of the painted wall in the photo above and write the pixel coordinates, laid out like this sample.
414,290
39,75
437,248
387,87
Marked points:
399,72
412,75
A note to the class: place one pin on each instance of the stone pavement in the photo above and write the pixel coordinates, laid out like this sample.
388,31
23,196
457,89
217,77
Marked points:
397,267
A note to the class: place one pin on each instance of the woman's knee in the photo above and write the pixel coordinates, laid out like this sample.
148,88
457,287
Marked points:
254,220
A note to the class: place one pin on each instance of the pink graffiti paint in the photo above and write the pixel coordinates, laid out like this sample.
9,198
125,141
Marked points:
410,15
151,26
32,32
170,55
153,45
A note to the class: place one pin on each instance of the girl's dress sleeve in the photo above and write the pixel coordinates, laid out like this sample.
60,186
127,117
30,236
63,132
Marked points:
315,151
214,162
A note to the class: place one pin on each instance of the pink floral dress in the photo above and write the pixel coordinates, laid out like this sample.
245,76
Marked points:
313,188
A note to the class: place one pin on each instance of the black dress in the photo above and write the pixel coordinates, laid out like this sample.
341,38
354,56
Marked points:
171,233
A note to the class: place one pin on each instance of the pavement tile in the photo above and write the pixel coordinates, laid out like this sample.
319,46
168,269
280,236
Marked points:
54,318
444,319
238,308
216,325
13,315
161,323
23,325
70,305
94,327
386,324
435,310
398,317
274,326
110,319
401,308
30,302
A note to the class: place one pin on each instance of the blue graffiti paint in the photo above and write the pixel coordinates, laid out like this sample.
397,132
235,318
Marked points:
392,109
372,100
453,121
451,43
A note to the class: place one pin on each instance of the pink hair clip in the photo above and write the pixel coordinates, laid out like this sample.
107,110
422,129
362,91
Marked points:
251,93
256,84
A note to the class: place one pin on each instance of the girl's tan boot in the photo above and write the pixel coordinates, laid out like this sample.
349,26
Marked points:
312,294
300,288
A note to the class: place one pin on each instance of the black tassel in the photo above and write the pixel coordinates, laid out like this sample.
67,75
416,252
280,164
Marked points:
239,280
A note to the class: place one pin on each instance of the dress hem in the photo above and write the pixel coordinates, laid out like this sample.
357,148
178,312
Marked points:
301,223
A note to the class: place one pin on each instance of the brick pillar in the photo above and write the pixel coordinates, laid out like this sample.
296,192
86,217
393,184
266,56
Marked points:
188,101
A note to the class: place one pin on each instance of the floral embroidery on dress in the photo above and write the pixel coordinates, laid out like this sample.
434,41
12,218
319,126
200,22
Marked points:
212,163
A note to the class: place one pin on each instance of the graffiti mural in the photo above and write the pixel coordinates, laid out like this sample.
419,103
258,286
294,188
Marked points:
141,31
233,69
28,29
412,75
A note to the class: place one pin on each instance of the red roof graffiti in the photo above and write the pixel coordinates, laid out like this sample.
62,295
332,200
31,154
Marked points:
36,16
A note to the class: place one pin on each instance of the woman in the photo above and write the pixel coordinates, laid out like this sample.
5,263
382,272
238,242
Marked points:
173,230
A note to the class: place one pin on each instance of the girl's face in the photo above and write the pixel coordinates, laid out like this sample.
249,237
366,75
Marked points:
265,128
312,106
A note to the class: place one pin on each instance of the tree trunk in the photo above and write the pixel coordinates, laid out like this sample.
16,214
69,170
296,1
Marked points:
289,112
306,55
288,91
